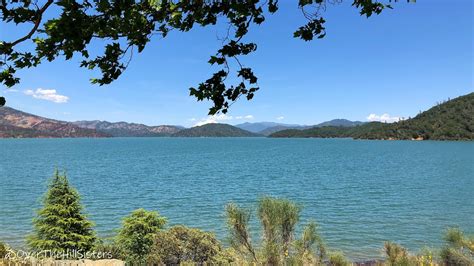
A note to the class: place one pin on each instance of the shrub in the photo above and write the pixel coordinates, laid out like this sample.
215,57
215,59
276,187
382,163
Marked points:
137,234
398,255
426,257
61,225
108,250
459,249
310,248
279,218
338,259
3,250
181,244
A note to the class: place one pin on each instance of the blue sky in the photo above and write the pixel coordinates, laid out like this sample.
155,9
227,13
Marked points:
397,63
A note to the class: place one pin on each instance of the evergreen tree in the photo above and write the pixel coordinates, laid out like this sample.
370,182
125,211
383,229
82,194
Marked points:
60,225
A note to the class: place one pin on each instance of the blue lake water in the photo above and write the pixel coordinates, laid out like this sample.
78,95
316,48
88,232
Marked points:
361,193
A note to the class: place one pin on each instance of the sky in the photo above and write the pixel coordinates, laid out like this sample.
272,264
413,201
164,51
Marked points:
383,68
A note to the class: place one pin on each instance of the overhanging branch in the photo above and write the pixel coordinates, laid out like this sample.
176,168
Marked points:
36,26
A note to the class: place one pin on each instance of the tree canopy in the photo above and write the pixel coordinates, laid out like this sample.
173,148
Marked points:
61,226
137,234
124,27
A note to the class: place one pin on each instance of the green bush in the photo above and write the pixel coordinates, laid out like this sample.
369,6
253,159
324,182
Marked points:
60,225
181,244
426,257
399,256
338,259
108,250
137,234
3,250
279,218
459,249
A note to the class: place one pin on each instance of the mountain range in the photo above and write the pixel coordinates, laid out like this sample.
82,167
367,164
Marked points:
18,124
450,120
267,128
124,129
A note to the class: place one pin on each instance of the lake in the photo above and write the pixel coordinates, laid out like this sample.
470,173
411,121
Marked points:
361,193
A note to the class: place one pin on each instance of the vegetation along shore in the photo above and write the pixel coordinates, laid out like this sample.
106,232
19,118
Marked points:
63,230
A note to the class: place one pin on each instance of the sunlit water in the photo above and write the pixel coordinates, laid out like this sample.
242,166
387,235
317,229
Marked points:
361,193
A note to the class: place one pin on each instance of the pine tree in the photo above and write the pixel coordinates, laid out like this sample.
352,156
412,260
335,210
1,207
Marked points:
61,226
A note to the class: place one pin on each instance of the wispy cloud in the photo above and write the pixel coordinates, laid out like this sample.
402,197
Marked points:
280,118
48,95
220,119
386,118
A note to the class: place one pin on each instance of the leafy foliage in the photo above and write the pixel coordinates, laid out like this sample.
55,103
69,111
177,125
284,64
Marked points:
3,250
338,259
108,249
451,120
137,234
396,254
279,218
2,101
125,26
180,244
239,232
60,225
459,249
310,247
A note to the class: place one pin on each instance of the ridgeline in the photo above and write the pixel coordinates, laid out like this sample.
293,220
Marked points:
450,120
214,130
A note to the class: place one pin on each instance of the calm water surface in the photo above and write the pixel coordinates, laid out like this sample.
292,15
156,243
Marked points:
362,193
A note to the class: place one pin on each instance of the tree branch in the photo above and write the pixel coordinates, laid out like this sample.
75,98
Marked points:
36,26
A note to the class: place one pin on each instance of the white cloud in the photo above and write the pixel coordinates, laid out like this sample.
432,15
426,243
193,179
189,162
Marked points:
280,118
386,118
48,95
220,119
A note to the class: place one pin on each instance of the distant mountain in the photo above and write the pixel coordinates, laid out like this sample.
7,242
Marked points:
124,129
336,122
274,129
340,123
18,124
451,120
215,130
257,127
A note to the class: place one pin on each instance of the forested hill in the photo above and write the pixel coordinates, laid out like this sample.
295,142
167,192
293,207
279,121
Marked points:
450,120
214,130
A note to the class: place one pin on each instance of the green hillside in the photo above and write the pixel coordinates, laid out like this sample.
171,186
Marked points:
214,130
450,120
